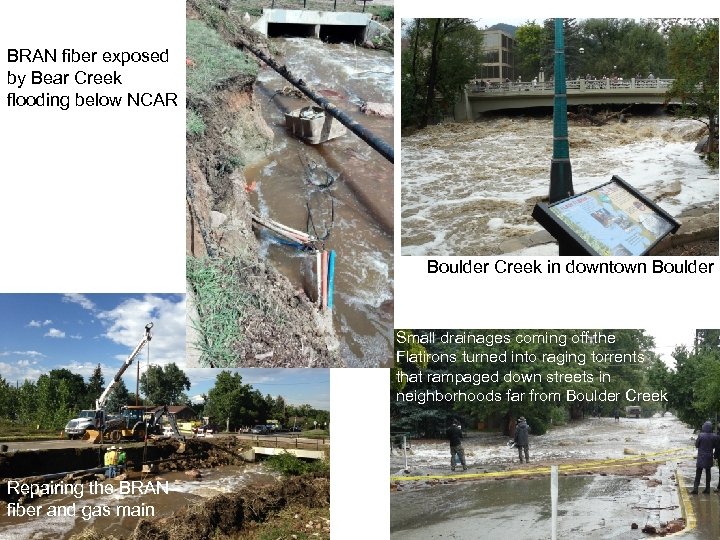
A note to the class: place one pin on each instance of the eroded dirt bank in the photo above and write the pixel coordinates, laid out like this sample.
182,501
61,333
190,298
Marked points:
232,515
176,456
247,313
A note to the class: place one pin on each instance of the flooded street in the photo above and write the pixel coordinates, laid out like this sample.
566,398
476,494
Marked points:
602,489
590,439
182,492
466,188
361,229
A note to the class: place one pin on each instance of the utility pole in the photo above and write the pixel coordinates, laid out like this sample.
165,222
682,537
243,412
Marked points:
561,185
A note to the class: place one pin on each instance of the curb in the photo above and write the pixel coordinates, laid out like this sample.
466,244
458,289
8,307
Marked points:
688,513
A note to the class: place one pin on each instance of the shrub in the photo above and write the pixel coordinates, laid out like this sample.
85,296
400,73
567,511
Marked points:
194,124
384,13
289,465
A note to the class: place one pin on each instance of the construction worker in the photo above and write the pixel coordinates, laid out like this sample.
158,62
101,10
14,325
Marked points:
111,457
121,460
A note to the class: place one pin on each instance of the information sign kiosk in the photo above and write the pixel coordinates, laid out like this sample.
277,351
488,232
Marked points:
610,219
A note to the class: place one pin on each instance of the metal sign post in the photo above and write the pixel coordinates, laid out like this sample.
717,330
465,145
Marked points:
561,185
554,499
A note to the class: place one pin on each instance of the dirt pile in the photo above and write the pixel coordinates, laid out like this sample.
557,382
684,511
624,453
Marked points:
231,513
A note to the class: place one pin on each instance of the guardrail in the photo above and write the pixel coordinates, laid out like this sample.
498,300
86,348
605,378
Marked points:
324,5
286,442
578,85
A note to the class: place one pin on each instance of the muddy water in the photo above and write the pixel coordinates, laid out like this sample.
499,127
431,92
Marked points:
589,439
466,188
591,506
361,233
182,491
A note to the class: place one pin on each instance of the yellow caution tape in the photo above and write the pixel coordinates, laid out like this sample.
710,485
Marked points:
585,466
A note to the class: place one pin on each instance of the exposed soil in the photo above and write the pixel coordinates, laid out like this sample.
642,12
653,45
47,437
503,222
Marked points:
171,455
694,249
281,327
226,516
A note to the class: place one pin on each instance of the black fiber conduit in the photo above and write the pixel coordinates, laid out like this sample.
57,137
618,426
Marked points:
357,128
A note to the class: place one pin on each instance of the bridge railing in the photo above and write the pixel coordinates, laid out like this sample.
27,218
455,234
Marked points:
577,85
320,5
285,442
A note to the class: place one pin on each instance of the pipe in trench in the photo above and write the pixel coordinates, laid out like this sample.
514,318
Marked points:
383,148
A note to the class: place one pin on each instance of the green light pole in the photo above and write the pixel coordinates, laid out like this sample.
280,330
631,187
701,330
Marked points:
561,185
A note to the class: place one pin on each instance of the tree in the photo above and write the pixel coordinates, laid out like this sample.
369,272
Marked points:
230,399
529,42
95,385
573,43
165,385
118,397
693,63
7,400
624,47
444,56
559,363
693,388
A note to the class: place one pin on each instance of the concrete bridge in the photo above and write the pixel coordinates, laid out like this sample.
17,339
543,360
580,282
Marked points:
478,99
326,25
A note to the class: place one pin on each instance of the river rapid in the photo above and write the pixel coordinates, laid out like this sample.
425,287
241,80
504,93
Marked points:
182,491
467,188
361,234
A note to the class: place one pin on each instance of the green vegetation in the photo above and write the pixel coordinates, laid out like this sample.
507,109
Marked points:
432,418
224,301
219,19
444,54
293,522
693,387
239,403
230,399
693,62
45,406
164,385
211,60
315,433
10,431
384,13
289,465
194,124
48,403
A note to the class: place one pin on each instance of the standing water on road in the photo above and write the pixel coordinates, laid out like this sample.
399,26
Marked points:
600,491
361,232
467,188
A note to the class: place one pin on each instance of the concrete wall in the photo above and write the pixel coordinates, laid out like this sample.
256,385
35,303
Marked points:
375,29
308,17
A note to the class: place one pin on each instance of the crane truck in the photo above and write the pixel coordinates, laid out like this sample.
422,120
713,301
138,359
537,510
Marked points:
134,422
91,423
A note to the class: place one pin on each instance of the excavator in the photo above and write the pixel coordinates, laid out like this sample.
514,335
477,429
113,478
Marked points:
134,422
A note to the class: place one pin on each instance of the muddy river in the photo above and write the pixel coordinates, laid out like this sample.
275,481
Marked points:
361,230
182,491
467,188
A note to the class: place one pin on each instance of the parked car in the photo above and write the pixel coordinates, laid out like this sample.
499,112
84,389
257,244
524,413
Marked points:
260,430
296,429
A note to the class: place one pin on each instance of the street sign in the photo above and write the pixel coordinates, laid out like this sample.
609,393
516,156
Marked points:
610,219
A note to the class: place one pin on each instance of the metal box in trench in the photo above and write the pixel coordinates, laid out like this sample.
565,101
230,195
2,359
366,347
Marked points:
313,126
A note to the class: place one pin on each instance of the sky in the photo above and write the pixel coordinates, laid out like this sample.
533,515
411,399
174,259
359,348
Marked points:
667,338
41,332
